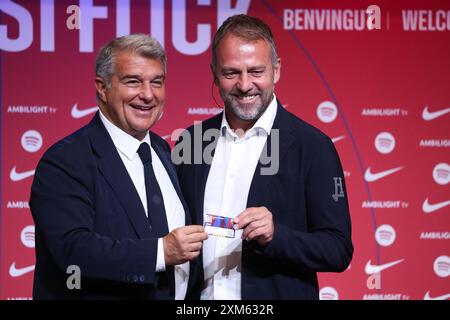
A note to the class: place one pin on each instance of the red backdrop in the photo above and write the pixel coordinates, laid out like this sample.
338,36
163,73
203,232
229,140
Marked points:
382,95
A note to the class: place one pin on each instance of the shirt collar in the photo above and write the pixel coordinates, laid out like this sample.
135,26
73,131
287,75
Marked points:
262,125
125,143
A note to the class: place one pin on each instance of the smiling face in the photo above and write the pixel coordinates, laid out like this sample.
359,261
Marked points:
246,77
134,101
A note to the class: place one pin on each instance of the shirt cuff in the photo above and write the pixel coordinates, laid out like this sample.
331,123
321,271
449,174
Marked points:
160,262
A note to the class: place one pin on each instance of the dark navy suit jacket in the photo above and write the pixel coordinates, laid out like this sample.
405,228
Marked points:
312,229
88,213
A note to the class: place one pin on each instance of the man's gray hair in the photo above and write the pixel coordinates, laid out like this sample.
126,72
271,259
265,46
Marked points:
140,44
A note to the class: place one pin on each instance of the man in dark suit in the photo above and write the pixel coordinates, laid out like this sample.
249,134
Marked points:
108,210
278,177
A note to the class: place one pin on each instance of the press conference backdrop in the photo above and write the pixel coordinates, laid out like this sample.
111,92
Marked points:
372,75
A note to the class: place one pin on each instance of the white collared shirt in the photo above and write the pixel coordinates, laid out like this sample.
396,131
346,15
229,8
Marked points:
230,176
127,147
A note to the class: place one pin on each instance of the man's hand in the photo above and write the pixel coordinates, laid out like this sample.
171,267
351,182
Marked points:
183,244
257,223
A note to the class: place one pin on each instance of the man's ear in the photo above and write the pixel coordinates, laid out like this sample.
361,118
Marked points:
214,74
100,87
277,71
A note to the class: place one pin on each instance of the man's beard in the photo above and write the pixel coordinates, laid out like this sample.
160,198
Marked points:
248,112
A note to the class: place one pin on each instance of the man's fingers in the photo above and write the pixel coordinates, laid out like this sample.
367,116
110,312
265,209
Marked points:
252,226
240,218
249,215
196,237
256,233
243,220
192,255
180,248
193,229
195,246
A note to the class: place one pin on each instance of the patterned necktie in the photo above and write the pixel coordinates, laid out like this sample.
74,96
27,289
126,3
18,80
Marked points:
155,202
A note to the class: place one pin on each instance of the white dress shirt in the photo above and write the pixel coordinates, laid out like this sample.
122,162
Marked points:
229,179
127,147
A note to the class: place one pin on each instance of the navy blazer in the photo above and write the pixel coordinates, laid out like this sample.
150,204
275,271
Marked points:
88,213
312,229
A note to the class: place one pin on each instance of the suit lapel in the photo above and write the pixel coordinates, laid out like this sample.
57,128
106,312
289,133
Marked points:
115,173
259,181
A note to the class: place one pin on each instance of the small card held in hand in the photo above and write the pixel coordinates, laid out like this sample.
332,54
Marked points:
219,226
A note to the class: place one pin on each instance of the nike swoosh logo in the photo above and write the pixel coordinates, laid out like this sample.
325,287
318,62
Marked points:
18,176
428,115
17,272
370,177
371,268
77,113
336,139
428,207
443,297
